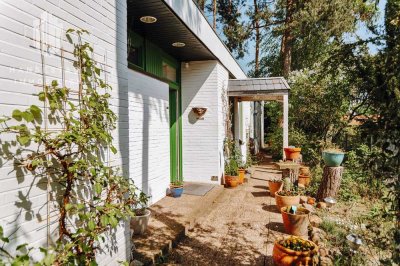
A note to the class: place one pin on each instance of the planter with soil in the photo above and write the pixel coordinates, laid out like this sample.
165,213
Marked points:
295,220
140,221
286,198
274,186
294,251
292,153
231,181
304,180
241,175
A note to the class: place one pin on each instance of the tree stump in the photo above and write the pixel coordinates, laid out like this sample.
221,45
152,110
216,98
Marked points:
330,184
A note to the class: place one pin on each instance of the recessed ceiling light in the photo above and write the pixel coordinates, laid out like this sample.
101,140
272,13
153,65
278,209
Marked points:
178,44
148,19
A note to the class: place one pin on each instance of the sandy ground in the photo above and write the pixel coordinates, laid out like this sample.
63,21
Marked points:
238,227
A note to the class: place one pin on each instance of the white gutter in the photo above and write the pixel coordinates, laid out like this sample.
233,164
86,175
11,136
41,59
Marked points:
193,18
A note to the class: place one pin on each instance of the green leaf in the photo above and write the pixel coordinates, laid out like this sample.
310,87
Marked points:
28,116
104,220
42,96
36,111
91,225
113,221
17,115
113,149
19,247
54,83
68,206
98,188
23,140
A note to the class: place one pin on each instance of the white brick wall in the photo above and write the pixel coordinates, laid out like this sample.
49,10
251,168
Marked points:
22,209
202,84
149,147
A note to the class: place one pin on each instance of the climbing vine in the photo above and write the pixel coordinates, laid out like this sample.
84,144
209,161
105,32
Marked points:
90,196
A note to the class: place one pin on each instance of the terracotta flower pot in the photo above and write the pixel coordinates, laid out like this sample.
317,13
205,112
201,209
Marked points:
292,153
231,181
241,175
296,224
274,187
286,257
304,180
304,170
284,201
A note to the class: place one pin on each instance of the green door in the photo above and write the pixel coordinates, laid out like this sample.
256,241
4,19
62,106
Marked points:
174,129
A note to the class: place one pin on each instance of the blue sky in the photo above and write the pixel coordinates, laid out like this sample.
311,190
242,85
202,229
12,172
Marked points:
362,32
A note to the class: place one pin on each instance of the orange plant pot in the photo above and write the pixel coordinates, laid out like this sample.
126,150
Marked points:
292,153
241,175
286,257
285,201
296,224
305,180
231,181
304,170
274,187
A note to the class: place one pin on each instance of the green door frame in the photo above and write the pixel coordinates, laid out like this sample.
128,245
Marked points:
175,111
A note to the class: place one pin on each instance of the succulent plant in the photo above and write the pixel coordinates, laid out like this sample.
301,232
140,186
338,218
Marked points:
297,244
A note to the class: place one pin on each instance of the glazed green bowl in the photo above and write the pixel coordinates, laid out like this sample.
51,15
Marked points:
332,159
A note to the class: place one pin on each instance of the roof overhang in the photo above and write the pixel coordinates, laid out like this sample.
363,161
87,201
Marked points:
258,89
181,21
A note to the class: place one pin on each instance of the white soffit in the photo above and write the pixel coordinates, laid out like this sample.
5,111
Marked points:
189,13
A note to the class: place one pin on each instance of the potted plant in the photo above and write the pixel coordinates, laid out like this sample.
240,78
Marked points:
295,220
287,196
292,153
274,185
294,251
231,173
141,217
176,188
233,159
304,180
333,157
304,170
241,172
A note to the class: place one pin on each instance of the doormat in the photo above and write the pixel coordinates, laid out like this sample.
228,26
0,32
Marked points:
197,189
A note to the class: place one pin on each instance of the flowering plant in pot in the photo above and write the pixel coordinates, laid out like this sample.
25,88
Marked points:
288,196
295,220
274,185
232,162
141,214
294,251
176,188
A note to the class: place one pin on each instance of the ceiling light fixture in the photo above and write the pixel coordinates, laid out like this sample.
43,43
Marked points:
148,19
178,44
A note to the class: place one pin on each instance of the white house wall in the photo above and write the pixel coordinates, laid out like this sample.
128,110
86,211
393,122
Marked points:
202,86
20,79
149,146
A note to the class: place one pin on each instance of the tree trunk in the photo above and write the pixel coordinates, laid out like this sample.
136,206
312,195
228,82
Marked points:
214,14
258,39
330,184
202,4
287,39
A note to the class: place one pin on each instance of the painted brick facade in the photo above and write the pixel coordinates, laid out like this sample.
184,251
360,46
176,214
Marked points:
149,147
202,85
22,25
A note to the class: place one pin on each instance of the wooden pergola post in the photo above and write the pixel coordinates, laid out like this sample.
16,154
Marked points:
285,122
